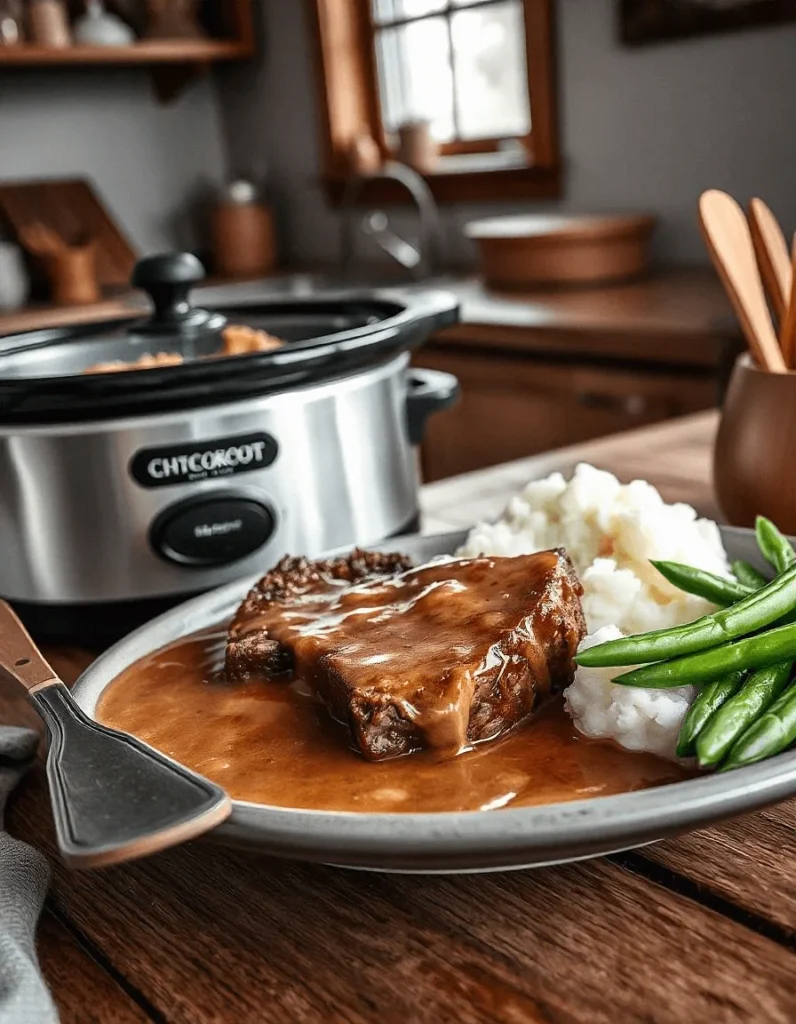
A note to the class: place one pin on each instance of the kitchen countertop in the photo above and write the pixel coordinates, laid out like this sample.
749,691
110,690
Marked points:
672,303
701,927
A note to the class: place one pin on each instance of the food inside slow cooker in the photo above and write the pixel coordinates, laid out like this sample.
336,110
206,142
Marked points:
239,339
145,362
236,340
437,657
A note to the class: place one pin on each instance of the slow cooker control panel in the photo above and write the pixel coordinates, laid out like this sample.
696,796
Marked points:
212,530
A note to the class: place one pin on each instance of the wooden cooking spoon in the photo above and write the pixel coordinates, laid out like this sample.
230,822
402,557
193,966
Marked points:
787,337
772,256
113,797
729,241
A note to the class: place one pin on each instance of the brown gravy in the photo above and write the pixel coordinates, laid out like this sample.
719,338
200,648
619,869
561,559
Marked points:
272,743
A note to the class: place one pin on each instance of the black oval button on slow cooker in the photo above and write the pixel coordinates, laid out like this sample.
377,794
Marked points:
211,531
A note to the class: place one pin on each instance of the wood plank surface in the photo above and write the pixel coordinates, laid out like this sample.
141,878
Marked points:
749,862
205,933
85,993
697,928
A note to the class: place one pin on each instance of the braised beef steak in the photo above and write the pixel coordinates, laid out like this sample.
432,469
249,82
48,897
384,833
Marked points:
251,648
439,656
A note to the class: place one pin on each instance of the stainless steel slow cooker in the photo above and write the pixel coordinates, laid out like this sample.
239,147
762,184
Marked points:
124,492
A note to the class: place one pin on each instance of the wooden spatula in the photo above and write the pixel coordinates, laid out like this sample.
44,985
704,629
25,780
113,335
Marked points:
729,241
787,335
113,797
772,256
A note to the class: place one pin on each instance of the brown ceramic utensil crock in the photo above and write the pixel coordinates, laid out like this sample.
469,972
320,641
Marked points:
753,466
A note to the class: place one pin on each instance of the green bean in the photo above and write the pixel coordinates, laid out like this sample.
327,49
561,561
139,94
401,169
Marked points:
774,546
748,575
759,609
752,652
772,733
698,670
759,691
707,702
716,589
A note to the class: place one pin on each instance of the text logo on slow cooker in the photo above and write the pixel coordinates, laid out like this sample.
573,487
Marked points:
202,460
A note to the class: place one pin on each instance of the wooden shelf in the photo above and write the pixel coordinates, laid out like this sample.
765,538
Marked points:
198,51
173,63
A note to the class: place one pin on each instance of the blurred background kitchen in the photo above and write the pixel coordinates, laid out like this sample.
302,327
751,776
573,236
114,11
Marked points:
542,158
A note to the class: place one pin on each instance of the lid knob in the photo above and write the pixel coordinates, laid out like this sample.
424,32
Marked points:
168,279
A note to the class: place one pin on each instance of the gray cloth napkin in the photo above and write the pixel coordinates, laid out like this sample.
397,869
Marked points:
24,876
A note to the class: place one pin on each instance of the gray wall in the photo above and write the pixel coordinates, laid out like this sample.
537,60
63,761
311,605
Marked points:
151,164
272,131
642,129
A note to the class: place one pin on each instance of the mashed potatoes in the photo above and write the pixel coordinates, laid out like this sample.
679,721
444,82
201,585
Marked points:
611,531
637,719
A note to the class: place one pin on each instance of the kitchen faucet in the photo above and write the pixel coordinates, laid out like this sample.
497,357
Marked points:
420,259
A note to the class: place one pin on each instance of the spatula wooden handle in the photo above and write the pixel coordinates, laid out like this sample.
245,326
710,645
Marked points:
729,241
113,797
20,659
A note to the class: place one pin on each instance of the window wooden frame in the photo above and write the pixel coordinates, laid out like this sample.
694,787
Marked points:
349,106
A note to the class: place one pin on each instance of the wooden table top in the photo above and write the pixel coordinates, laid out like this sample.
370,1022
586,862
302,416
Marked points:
700,928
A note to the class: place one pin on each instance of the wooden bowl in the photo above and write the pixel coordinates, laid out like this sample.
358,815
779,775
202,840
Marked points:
523,251
753,465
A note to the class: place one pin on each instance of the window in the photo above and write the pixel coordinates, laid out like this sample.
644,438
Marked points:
459,64
479,71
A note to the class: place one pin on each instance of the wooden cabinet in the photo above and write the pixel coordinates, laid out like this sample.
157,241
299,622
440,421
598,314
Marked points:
580,366
510,408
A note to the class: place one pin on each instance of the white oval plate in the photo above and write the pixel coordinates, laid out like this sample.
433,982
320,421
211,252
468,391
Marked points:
462,841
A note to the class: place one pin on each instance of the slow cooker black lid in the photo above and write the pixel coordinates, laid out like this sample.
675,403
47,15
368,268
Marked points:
326,335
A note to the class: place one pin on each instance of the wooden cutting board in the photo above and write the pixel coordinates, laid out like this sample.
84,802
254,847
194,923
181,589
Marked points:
72,208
